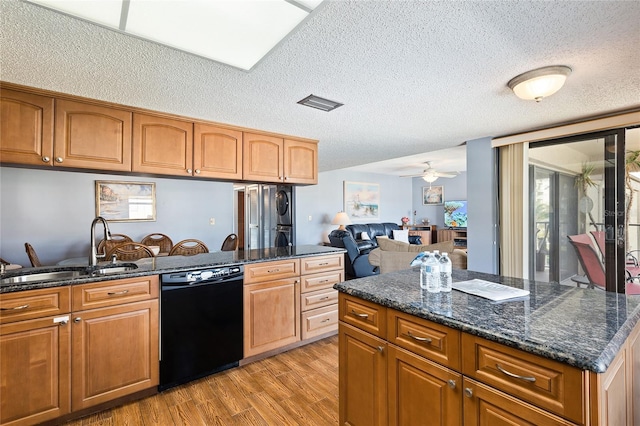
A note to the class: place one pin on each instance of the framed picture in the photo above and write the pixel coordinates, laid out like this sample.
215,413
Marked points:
126,201
362,200
432,195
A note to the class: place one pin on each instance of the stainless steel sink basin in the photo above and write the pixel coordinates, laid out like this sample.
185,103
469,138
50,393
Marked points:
44,276
69,273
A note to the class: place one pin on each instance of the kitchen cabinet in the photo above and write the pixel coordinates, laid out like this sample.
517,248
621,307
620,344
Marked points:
318,299
162,145
439,375
273,159
217,152
115,348
26,121
92,136
34,356
271,299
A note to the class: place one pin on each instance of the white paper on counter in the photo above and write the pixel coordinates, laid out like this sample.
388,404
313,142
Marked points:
489,290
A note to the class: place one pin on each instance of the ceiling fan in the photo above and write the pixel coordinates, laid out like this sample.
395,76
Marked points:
431,175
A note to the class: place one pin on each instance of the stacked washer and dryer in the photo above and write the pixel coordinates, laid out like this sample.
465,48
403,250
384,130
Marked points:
269,216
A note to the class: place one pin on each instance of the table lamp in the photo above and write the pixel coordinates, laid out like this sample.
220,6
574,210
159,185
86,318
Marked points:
341,219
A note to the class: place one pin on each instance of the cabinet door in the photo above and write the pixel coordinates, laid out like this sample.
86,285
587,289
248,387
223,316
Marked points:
422,392
363,377
300,162
271,315
114,352
263,158
34,371
162,145
217,152
26,121
483,405
92,137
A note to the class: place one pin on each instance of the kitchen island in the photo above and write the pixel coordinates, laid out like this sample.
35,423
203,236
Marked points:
86,341
561,355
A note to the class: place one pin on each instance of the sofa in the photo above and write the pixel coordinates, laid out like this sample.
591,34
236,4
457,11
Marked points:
395,255
359,240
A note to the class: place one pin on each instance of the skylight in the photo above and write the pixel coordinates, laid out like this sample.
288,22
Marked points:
234,32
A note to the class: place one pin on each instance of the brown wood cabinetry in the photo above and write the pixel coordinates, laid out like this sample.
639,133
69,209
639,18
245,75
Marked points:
92,137
35,356
26,121
217,152
425,232
114,345
162,145
439,375
458,236
272,159
318,299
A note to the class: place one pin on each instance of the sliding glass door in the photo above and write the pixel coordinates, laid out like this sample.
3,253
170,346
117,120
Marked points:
577,189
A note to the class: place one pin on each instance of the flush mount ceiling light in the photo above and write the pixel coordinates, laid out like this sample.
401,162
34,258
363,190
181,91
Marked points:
234,32
539,83
319,103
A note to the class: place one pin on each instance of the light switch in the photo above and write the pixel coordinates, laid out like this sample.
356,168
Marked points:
212,221
309,218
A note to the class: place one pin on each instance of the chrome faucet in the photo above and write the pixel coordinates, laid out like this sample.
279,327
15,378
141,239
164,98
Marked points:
94,256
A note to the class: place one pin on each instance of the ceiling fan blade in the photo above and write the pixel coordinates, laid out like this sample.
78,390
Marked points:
446,174
416,175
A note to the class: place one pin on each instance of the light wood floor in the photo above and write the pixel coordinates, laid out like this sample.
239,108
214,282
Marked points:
299,387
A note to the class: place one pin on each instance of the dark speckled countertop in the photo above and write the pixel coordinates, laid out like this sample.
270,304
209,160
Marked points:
580,327
166,264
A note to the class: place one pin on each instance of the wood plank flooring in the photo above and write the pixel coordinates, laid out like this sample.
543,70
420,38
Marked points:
298,387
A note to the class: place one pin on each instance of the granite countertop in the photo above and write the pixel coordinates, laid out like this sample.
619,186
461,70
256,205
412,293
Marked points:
167,264
581,327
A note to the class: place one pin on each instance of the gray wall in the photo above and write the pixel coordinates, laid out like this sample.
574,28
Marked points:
453,188
53,211
481,206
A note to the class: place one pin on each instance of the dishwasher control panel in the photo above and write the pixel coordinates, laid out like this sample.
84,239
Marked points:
202,275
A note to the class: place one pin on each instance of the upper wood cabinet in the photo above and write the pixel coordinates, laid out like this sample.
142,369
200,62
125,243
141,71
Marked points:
272,159
217,152
92,137
27,128
162,145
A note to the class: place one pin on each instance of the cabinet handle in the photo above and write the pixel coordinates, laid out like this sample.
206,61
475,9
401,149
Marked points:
516,376
117,293
359,315
468,392
197,171
46,159
451,383
15,308
381,349
324,298
271,271
77,319
323,264
189,171
323,281
59,160
419,339
64,322
326,320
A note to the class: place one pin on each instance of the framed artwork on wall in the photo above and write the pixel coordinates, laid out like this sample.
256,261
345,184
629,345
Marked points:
432,195
362,200
126,201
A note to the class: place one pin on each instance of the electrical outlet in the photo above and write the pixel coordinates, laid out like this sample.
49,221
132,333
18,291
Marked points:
212,221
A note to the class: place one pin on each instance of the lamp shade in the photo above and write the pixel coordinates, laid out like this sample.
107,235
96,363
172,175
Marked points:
341,219
539,83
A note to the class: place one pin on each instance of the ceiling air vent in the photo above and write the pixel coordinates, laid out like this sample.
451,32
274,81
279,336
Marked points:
320,103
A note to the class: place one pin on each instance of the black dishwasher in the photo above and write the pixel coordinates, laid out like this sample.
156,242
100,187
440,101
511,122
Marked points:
200,323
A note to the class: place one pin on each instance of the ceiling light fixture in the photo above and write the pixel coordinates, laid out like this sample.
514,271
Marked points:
319,103
430,177
539,83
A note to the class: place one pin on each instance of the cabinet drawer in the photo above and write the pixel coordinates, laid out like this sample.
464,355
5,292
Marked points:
548,384
116,292
319,321
311,265
364,315
318,299
426,338
30,304
268,271
321,280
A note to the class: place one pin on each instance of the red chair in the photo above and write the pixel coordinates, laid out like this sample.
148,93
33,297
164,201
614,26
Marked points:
631,262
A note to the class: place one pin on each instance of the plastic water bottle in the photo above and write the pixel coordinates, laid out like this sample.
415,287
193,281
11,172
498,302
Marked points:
432,267
423,270
445,273
436,254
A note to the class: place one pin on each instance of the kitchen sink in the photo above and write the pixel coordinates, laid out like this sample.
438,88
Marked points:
69,273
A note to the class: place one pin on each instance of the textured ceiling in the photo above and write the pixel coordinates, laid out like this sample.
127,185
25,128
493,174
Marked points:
415,76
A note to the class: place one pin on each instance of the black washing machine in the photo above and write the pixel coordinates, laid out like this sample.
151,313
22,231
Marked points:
284,205
284,236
